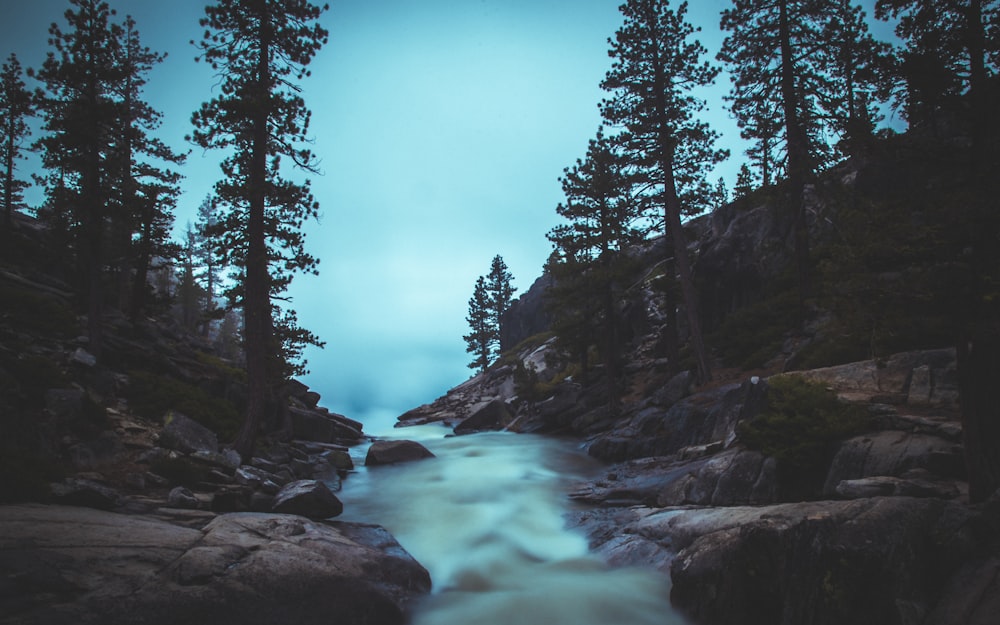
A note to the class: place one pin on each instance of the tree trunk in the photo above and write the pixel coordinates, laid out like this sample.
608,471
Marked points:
672,217
979,376
798,157
256,298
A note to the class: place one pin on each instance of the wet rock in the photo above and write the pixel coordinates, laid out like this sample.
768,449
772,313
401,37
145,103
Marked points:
227,459
84,492
860,561
891,453
699,419
181,497
882,486
392,452
308,498
76,565
186,435
328,428
492,416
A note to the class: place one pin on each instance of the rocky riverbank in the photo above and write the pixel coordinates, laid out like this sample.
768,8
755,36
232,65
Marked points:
879,532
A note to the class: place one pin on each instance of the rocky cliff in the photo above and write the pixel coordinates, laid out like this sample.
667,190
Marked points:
140,512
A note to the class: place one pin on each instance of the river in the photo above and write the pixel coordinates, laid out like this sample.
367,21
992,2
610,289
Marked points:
486,518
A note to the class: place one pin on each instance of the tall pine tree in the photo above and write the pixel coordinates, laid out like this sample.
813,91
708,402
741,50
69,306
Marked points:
501,292
15,107
657,66
80,116
590,261
481,337
260,48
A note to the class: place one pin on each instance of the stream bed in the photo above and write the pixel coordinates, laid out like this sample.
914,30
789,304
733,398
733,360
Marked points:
486,518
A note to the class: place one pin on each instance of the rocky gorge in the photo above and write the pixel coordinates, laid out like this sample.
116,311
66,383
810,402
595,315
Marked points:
759,511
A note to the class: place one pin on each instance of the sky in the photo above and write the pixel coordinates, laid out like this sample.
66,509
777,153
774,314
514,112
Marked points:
442,127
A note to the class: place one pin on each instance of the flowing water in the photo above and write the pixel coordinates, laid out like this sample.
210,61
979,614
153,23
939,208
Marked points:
486,518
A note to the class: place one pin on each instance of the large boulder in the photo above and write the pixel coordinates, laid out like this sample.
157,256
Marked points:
892,453
492,416
698,419
729,478
392,452
326,427
308,498
186,435
77,566
883,560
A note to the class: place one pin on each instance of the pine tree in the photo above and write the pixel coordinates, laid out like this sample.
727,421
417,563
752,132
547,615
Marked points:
15,107
855,64
142,160
603,209
744,183
501,293
481,338
80,117
772,49
207,256
656,68
259,49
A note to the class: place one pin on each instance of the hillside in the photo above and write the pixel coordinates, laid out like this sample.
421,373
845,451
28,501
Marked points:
823,474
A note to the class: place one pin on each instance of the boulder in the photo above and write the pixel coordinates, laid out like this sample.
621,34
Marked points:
392,452
84,492
892,453
181,497
315,425
186,435
66,566
734,477
492,416
308,498
861,561
698,419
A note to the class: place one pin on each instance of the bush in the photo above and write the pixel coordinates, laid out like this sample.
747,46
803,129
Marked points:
153,395
36,313
751,336
800,426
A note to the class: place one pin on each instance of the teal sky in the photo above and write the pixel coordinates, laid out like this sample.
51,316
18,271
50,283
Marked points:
442,127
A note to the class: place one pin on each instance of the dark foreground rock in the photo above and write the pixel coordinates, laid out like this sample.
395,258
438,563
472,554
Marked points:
392,452
883,560
79,566
308,498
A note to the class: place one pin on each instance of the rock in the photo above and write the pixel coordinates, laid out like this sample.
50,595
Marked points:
233,499
492,416
880,486
181,497
337,459
65,404
227,459
314,425
860,561
66,566
392,452
310,399
676,389
186,435
699,419
96,453
734,477
890,453
83,357
84,492
929,376
308,498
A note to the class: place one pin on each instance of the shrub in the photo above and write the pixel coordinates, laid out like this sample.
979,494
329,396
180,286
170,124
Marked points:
153,395
800,426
